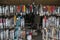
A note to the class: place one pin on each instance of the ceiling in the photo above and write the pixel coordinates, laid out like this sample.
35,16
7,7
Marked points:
18,2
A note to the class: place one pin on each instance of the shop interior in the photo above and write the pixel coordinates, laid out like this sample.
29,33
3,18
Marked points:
29,19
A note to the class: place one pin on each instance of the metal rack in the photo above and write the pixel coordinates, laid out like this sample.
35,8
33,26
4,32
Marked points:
52,31
17,20
50,35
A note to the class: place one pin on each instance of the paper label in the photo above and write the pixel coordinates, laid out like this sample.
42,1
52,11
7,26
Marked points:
1,35
0,9
12,34
29,37
18,9
3,9
6,10
11,9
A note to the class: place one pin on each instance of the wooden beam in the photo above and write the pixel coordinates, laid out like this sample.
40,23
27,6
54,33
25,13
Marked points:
18,2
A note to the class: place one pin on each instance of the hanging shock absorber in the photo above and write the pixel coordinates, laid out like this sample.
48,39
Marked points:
17,28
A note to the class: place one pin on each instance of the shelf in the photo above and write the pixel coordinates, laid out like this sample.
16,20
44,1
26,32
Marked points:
52,38
10,16
12,28
48,15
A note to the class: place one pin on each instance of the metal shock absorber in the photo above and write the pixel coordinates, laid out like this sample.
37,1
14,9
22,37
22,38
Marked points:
17,28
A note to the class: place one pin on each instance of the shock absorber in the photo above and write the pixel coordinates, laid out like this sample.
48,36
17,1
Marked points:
17,28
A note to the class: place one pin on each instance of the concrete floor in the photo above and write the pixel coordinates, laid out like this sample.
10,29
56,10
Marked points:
38,37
